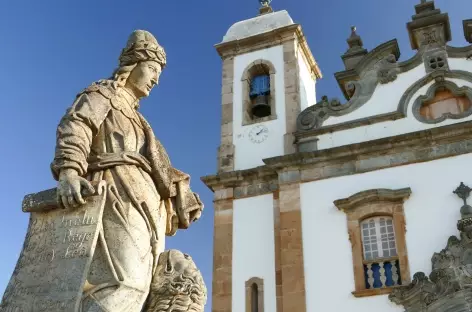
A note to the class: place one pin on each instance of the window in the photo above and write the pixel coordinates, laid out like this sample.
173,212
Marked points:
255,295
443,100
380,252
258,87
376,227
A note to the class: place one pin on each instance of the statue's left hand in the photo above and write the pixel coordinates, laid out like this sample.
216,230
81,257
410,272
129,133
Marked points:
69,189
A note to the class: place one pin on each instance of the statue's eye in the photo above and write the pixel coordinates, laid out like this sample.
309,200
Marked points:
186,256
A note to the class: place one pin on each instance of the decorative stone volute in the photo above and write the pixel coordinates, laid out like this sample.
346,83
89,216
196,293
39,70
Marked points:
356,50
449,286
429,27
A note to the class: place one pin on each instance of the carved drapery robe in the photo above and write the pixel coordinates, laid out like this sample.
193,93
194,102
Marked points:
103,137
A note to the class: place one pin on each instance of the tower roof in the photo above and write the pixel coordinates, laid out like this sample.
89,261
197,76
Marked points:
258,25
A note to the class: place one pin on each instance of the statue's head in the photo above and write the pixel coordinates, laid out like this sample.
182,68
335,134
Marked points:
177,285
141,63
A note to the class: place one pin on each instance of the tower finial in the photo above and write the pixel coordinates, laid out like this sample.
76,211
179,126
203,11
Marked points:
265,6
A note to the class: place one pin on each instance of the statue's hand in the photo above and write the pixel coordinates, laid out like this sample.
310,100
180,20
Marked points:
69,189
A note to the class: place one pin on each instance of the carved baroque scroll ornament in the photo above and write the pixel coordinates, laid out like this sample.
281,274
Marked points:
449,286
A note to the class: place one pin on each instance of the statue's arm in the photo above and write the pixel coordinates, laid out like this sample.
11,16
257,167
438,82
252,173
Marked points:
76,131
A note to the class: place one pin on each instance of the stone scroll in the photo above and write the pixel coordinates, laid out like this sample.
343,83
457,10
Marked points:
52,269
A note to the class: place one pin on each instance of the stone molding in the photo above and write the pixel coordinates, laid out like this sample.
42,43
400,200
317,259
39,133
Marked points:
309,120
366,204
259,282
448,285
359,90
404,149
269,39
245,81
459,52
430,94
366,64
361,198
429,27
438,76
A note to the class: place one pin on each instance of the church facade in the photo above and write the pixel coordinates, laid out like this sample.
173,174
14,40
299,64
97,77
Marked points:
359,196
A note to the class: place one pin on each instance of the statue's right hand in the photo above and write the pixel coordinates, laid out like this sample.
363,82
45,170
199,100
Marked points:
69,189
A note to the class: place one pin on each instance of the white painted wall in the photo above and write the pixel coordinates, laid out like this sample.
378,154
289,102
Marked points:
307,84
253,249
384,100
248,154
431,215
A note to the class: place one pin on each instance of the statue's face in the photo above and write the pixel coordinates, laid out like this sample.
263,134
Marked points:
143,78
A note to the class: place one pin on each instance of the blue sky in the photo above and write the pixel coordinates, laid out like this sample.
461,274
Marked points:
51,50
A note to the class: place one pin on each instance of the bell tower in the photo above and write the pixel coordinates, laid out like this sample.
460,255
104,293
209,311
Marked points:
269,76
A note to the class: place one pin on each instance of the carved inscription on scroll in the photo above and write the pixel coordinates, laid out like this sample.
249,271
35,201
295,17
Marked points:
58,248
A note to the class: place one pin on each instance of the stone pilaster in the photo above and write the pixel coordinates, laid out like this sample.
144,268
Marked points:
291,249
292,93
222,251
226,149
278,271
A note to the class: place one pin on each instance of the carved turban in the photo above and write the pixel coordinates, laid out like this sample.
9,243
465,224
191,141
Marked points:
142,46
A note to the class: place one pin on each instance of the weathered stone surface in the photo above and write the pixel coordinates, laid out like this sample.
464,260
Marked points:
51,271
177,285
102,138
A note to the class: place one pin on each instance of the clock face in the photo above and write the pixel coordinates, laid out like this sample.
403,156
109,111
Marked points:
258,134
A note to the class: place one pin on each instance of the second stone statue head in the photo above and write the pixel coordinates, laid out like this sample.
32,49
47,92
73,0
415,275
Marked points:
141,63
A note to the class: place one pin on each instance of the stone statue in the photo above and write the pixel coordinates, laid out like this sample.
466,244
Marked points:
104,137
177,285
121,197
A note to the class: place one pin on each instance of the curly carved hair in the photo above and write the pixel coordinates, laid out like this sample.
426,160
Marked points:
177,285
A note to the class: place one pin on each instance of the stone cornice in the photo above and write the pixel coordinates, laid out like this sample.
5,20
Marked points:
374,195
269,39
404,149
239,177
350,124
398,143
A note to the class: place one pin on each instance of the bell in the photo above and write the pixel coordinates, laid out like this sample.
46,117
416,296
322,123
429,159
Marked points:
261,107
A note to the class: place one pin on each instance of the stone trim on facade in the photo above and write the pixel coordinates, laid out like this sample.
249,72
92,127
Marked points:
222,256
277,249
292,273
259,283
448,286
404,149
226,148
377,202
437,76
248,74
269,39
292,93
430,94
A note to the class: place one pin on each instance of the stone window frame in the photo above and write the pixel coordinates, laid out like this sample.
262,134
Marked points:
373,203
248,73
259,282
431,93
